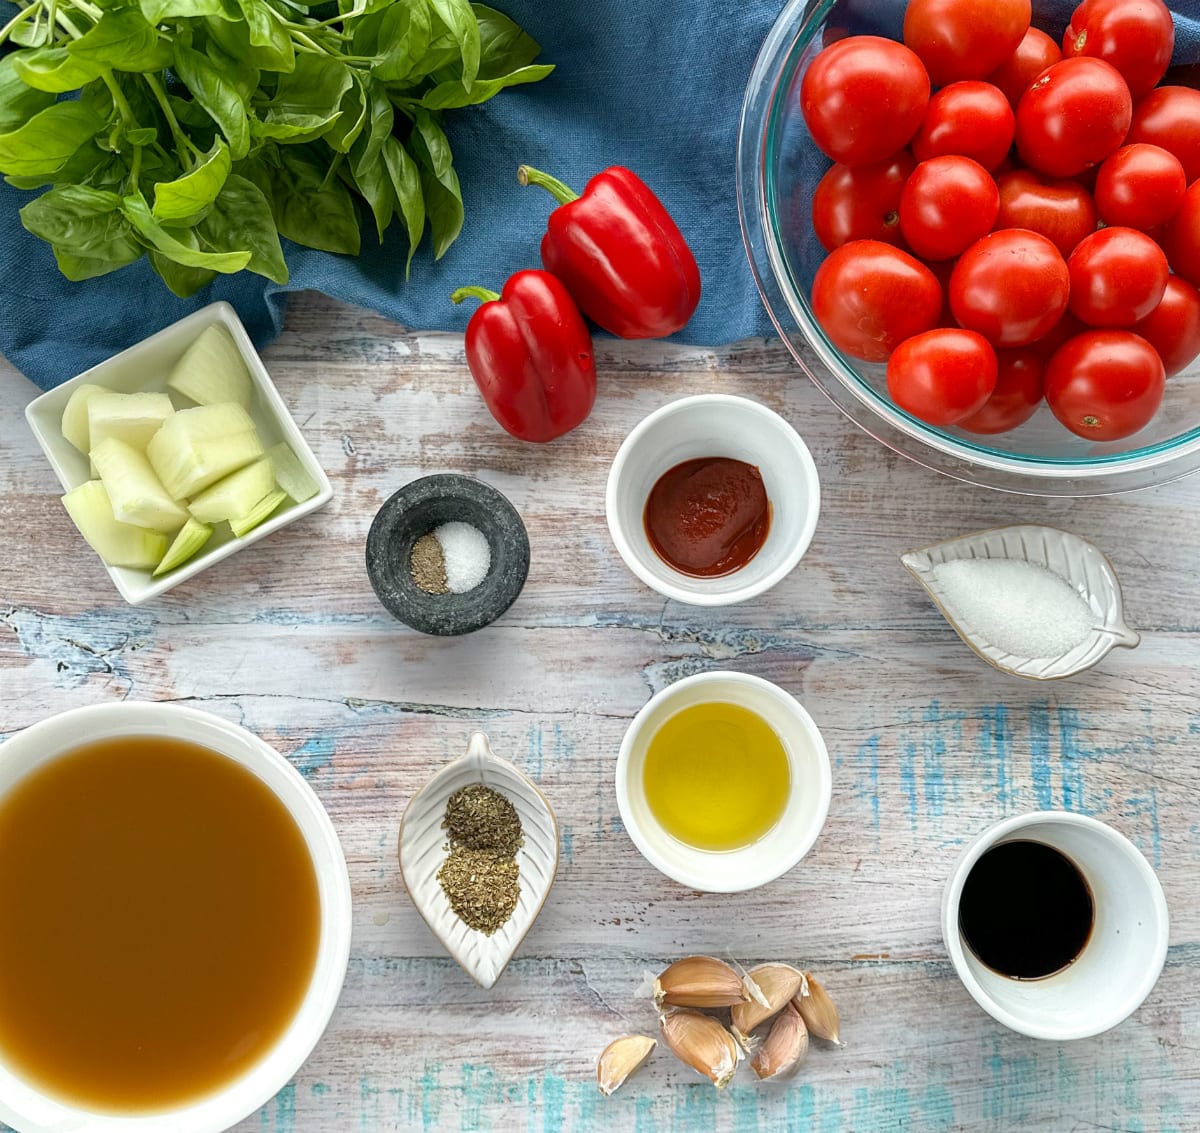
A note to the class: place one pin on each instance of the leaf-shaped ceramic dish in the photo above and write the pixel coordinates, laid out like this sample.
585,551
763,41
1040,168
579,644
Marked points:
1073,559
423,849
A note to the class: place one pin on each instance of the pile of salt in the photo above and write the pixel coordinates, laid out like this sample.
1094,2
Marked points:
467,555
1017,606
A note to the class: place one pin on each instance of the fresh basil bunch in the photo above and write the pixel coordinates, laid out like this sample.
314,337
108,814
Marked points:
204,130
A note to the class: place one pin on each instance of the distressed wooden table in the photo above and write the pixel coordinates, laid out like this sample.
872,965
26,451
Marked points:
928,744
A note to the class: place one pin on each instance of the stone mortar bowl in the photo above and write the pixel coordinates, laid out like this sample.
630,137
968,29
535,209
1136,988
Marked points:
418,509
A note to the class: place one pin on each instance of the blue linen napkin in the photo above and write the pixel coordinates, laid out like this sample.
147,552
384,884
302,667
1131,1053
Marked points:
657,88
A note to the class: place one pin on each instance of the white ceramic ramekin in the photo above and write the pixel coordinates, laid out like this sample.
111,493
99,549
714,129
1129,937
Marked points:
146,366
777,851
26,1108
715,425
1123,956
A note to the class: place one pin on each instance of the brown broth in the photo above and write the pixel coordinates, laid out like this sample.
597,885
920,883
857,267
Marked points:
161,921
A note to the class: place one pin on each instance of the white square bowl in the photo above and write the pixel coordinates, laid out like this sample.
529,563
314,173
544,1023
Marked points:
146,366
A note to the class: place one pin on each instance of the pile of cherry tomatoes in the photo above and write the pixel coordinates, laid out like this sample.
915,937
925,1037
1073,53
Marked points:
1030,231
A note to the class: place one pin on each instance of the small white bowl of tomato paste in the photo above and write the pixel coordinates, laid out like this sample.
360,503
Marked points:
712,499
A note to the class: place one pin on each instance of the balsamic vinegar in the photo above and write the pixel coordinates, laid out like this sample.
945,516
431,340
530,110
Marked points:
1026,910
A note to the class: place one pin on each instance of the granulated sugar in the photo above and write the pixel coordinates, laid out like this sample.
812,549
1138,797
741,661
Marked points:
1017,606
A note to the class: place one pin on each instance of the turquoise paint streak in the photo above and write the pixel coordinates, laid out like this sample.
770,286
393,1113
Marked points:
908,780
933,769
567,844
1039,755
868,788
696,1108
535,749
554,1090
314,756
279,1114
643,1116
744,1100
431,1097
994,747
1073,758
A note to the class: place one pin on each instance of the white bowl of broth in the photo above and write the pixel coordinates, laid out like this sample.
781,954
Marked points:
177,912
723,781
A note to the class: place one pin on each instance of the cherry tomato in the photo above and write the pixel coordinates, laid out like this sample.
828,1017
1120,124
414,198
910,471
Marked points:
863,98
1139,186
1173,327
869,297
1017,395
1118,276
1135,36
943,375
1170,117
1105,384
1062,211
964,39
1033,55
1182,241
1011,287
971,119
861,202
946,205
1074,115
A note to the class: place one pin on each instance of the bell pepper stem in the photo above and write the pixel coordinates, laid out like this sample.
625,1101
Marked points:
564,194
480,293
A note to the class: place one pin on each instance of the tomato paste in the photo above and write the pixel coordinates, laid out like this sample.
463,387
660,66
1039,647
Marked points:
708,517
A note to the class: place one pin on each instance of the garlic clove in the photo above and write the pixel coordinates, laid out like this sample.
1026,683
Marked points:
702,1043
784,1048
818,1012
699,981
620,1059
771,986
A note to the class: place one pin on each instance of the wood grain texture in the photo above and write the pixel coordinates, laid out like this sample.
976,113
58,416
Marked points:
929,746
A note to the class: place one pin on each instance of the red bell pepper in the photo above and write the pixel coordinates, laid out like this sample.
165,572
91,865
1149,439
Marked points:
530,354
622,257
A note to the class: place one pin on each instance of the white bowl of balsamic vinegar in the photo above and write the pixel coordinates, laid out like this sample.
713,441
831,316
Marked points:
1056,924
184,922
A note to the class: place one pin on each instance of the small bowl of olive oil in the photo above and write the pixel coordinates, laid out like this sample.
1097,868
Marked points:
723,781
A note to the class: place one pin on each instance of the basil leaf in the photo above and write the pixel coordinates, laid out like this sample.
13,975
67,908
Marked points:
448,95
216,95
54,69
233,37
18,101
156,11
439,182
182,279
45,143
406,183
372,181
404,33
77,268
504,46
157,237
342,133
187,195
299,109
32,33
77,218
460,20
123,41
310,212
263,24
242,75
241,218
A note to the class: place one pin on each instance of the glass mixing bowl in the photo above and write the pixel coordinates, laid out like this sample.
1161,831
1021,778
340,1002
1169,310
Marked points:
778,170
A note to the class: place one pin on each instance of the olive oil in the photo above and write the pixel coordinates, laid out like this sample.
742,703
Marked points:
716,776
161,923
